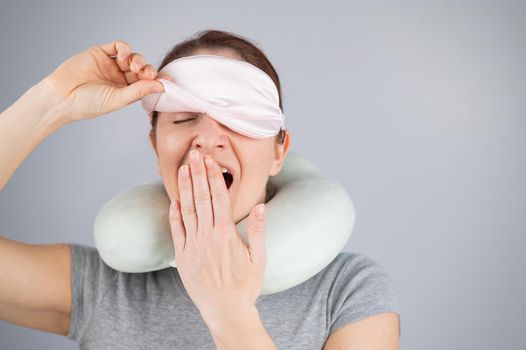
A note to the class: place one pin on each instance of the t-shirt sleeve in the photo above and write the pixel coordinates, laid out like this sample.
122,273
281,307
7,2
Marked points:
362,289
91,278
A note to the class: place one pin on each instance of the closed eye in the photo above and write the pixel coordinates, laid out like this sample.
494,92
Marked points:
182,121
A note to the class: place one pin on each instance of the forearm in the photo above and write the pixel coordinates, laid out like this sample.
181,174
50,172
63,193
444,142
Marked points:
25,124
241,331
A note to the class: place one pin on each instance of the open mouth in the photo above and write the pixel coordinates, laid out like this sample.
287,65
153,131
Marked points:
229,179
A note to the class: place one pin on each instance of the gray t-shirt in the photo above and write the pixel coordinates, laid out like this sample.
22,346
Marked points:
152,310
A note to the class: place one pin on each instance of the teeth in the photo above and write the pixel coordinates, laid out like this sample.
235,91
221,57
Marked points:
224,170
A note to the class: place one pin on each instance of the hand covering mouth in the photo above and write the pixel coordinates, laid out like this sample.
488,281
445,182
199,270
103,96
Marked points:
228,174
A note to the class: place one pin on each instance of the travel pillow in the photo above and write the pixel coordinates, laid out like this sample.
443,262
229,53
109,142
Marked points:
309,219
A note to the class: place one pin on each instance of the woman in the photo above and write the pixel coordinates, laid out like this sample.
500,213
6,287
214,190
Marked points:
212,296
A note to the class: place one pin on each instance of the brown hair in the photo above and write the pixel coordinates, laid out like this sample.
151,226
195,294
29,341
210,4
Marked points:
217,39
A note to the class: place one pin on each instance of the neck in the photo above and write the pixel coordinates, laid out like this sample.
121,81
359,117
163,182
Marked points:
270,191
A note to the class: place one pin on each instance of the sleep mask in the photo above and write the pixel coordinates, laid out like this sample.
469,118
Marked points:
235,93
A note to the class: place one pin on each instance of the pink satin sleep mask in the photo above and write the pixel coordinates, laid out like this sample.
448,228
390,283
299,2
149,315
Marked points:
235,93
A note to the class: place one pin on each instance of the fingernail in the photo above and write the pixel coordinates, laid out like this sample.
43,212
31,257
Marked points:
208,161
194,155
184,171
260,212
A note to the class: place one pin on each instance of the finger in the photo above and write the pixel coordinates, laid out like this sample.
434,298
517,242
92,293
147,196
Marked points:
256,236
148,72
135,62
117,47
187,202
220,197
136,91
130,62
131,77
203,205
131,66
177,226
125,58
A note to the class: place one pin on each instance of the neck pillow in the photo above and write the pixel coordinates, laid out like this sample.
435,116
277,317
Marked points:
309,219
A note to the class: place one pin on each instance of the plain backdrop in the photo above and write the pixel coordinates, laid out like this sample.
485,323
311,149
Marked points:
416,107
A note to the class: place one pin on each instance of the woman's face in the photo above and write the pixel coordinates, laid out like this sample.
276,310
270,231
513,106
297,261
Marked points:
250,161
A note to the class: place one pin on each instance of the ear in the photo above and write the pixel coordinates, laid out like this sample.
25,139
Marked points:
153,141
280,154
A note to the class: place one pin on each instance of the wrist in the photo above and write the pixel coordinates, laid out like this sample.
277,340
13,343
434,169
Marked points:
26,123
51,108
242,329
229,318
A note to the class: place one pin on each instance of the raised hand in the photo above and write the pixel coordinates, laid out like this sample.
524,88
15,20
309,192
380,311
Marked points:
102,79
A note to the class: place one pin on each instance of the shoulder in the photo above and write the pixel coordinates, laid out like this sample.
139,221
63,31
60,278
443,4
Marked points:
82,249
356,268
88,268
87,257
360,287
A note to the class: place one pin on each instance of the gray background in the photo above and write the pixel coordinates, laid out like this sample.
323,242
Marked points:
417,107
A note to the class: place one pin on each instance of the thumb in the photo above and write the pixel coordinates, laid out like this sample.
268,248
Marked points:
256,235
138,90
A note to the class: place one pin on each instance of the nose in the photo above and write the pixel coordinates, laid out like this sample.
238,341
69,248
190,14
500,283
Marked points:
211,135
